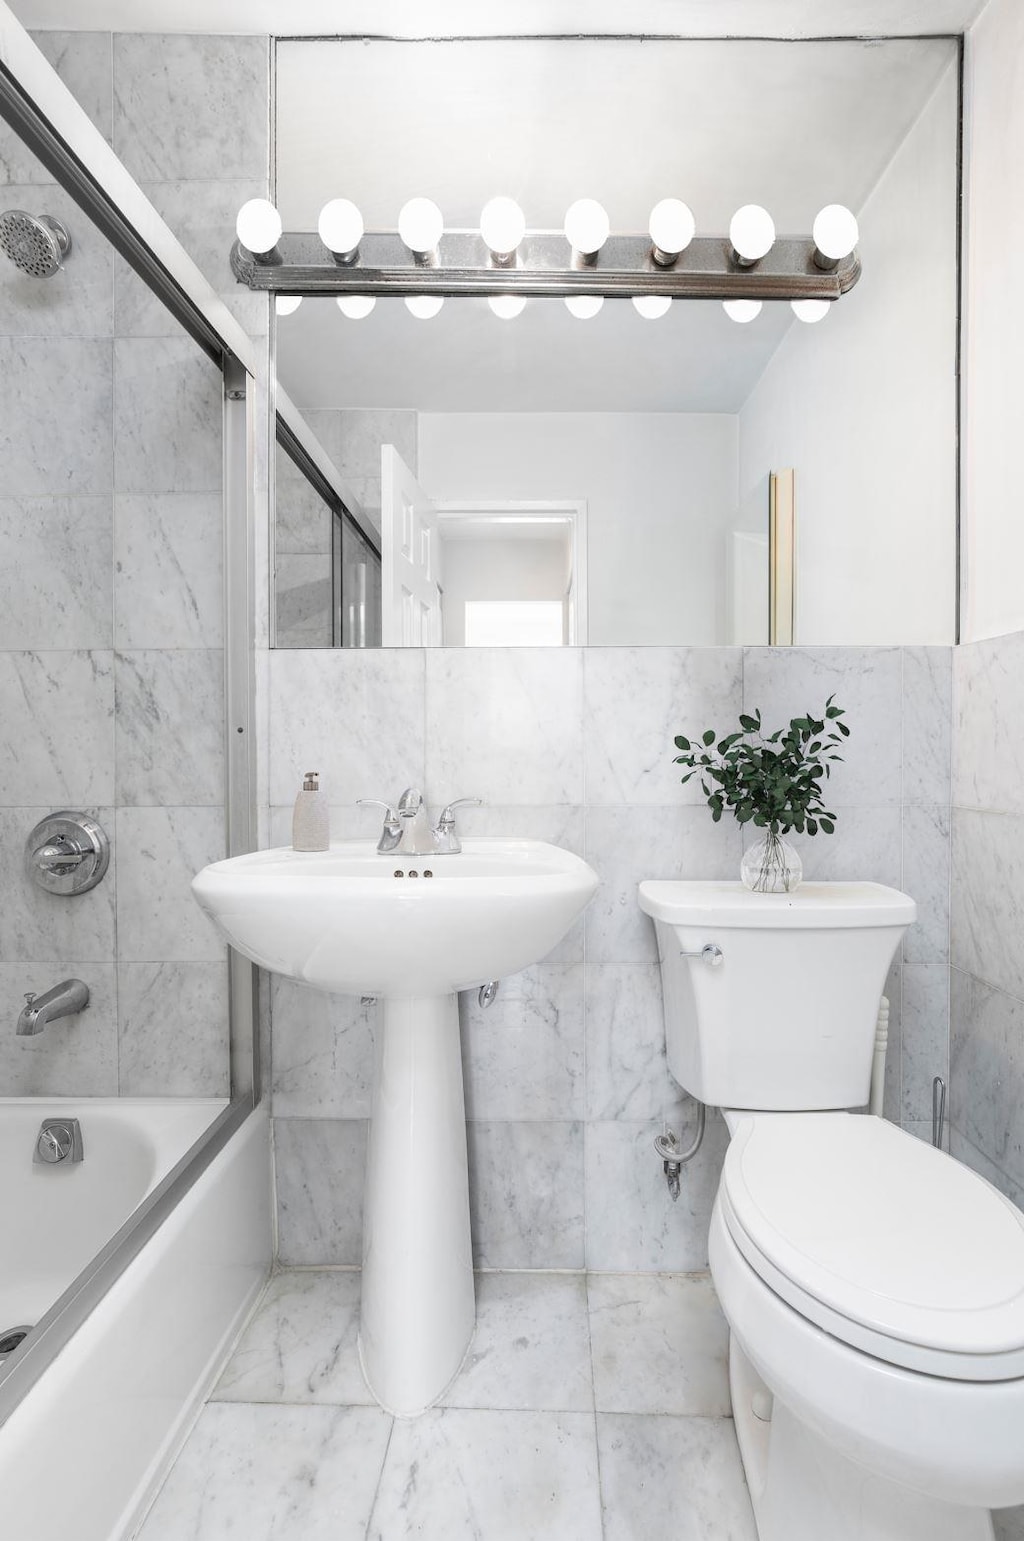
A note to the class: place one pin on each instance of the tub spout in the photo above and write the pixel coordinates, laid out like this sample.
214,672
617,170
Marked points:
63,1000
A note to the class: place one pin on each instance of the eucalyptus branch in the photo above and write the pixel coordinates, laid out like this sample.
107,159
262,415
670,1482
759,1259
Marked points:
773,781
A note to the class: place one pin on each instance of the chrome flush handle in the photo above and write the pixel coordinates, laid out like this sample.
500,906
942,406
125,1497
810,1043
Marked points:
709,954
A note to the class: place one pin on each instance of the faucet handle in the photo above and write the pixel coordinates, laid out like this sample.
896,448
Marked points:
392,830
446,820
445,835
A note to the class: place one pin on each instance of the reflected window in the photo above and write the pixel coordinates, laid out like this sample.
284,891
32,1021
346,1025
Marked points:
515,622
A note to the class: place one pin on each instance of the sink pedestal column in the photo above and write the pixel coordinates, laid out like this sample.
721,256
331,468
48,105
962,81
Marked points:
418,1306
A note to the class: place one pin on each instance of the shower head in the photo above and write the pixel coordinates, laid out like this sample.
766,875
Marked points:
36,245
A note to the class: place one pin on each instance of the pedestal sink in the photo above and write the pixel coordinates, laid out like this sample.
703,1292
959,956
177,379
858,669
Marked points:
411,931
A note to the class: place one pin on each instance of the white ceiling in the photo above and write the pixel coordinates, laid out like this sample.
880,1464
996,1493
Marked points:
465,359
793,126
448,18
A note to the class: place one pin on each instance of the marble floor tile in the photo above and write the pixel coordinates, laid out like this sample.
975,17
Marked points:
660,1344
532,1345
301,1344
273,1474
672,1476
489,1476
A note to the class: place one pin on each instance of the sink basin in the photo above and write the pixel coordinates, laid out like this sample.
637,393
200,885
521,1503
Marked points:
412,931
343,920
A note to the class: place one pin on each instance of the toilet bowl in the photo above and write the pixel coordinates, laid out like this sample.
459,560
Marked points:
873,1286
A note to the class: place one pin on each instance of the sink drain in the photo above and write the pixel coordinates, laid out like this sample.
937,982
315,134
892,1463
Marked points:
10,1339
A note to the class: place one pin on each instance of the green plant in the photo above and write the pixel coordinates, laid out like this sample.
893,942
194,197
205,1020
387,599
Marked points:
773,782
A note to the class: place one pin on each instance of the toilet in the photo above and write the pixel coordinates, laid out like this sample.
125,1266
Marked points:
873,1286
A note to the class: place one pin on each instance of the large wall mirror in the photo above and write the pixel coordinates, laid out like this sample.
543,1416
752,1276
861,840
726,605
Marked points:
606,480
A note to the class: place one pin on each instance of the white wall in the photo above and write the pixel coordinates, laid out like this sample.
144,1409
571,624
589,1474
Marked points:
660,491
497,569
863,406
994,324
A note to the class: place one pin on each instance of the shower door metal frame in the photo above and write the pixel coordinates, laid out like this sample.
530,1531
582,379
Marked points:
52,1332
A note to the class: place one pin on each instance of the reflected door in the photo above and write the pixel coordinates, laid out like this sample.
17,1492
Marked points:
410,558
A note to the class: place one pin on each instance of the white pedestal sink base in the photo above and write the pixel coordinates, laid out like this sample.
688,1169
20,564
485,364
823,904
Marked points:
418,1305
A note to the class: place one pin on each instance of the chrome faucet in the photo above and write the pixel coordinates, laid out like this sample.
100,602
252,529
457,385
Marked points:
407,830
64,1000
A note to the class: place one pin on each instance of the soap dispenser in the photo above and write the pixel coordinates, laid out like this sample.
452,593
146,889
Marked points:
310,822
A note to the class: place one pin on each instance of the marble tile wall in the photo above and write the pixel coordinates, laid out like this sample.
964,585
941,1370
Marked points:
111,661
304,525
566,1082
987,919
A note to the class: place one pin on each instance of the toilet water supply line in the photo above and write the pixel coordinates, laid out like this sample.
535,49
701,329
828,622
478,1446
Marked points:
674,1159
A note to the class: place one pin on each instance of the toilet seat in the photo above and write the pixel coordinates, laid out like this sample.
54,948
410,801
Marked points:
882,1241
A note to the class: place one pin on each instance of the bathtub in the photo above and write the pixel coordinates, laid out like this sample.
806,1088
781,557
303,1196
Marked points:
57,1218
88,1443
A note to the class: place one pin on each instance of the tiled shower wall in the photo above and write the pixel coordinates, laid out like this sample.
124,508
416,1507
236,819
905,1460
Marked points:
987,923
566,1082
303,531
111,673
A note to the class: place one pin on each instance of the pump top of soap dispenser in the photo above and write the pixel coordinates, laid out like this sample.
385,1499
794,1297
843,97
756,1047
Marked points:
311,781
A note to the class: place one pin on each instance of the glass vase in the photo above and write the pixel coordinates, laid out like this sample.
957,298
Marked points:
771,866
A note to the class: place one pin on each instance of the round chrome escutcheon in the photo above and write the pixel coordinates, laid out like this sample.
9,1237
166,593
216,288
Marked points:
67,853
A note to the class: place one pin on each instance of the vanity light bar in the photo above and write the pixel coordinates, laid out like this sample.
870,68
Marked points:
461,263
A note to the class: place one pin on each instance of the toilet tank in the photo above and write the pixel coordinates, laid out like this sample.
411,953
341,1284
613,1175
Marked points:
786,1018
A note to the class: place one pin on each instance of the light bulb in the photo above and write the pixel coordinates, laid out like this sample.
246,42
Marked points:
752,232
356,306
586,226
810,310
421,225
502,225
341,227
742,310
835,232
672,227
584,306
424,306
507,306
651,306
258,226
287,304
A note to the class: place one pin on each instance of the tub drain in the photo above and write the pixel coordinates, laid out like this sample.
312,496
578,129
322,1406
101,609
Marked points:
10,1339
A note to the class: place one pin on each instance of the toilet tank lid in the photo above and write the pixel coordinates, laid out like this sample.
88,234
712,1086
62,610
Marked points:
824,906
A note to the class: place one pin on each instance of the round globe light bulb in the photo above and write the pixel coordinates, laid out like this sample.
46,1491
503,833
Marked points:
502,225
356,306
742,310
287,304
258,226
672,226
752,232
586,226
584,306
340,226
810,310
835,232
507,306
424,306
651,306
421,224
